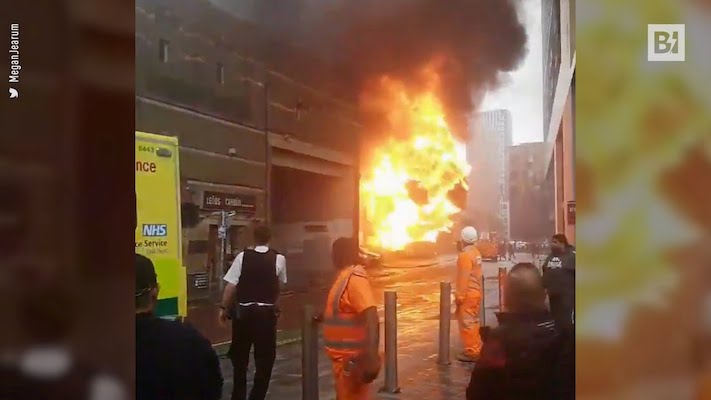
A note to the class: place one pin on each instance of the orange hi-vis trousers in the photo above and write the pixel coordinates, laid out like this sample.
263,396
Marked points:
469,295
348,387
468,318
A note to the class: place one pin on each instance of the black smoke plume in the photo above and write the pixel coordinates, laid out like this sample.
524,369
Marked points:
476,40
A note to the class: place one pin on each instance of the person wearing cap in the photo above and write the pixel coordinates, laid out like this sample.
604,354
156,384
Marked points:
173,361
468,295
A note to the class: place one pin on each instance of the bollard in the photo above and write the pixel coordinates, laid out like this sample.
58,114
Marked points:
390,384
445,318
309,355
502,284
482,307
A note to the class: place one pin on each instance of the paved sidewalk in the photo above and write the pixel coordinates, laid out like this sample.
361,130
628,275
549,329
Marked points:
418,371
418,327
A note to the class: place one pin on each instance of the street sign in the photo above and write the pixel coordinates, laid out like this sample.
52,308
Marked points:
222,232
571,213
201,280
244,205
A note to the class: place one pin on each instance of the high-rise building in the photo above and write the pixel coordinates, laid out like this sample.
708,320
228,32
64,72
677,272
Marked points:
559,109
530,196
487,150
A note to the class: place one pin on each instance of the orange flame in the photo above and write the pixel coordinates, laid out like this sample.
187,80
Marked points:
421,157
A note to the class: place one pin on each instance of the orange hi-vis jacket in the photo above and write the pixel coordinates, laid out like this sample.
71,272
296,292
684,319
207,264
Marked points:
344,330
469,274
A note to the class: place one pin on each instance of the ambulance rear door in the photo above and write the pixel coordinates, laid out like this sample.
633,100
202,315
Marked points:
158,233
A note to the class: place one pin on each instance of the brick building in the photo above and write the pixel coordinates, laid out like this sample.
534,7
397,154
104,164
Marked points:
219,83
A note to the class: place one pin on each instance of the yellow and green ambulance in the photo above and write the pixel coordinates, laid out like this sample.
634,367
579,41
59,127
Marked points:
158,233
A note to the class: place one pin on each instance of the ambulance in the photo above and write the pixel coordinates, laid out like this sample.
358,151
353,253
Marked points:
158,233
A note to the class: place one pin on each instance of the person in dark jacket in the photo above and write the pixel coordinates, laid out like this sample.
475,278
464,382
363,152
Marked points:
523,357
511,251
173,361
559,281
502,251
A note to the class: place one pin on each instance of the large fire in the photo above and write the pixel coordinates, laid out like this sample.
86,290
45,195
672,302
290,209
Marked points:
405,187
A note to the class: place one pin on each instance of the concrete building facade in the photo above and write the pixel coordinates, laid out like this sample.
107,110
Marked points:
559,109
256,127
487,152
531,197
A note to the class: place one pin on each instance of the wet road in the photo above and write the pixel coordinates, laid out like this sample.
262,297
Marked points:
418,310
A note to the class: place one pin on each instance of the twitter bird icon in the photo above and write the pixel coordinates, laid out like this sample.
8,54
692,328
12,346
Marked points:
13,93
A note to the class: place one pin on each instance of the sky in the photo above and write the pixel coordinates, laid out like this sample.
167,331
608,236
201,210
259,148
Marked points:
522,93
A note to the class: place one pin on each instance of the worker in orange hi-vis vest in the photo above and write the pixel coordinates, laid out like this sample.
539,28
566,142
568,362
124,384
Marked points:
350,325
468,295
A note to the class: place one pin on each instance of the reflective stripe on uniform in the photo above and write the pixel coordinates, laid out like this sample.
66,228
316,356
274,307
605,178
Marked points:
340,322
344,345
339,293
474,283
343,331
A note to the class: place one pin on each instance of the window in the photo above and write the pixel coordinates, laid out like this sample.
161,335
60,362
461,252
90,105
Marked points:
163,50
220,73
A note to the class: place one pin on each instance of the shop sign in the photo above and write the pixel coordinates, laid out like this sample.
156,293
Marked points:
571,213
245,205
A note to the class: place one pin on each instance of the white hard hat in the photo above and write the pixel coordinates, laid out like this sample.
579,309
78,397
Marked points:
469,234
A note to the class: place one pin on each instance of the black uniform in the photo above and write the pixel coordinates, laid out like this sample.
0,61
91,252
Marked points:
524,358
559,280
173,361
254,324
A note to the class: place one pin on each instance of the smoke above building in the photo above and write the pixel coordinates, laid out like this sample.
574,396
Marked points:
470,42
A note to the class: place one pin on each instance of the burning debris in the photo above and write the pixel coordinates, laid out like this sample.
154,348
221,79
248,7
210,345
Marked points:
420,67
405,192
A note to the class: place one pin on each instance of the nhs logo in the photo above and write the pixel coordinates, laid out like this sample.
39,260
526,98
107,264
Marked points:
155,230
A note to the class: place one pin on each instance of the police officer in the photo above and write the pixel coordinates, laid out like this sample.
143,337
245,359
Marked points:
249,300
173,361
